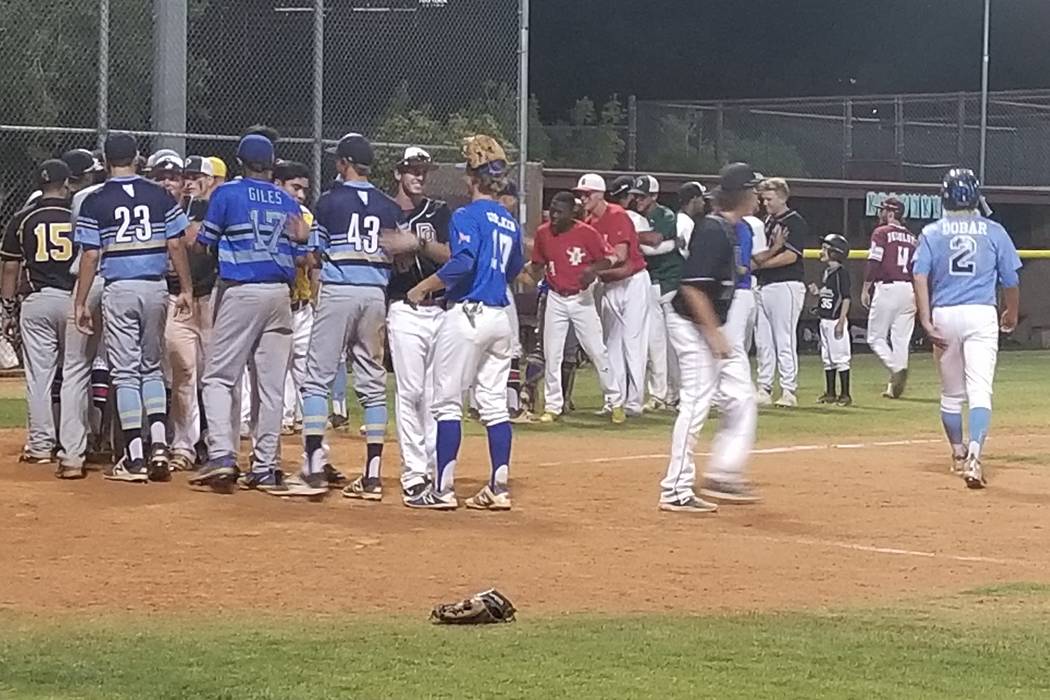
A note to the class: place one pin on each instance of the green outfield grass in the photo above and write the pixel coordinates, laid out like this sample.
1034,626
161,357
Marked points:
938,651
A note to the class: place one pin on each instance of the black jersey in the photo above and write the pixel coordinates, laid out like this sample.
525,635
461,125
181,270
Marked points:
711,266
40,236
834,289
797,237
429,221
204,264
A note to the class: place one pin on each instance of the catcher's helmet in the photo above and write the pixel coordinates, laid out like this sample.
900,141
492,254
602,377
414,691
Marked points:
838,244
960,190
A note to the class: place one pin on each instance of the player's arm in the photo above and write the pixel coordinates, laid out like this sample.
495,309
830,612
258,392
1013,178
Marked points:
214,221
921,286
844,292
464,237
650,239
175,225
871,268
1008,263
786,247
537,260
11,254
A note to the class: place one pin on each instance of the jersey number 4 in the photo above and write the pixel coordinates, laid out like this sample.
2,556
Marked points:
128,232
964,248
54,242
363,234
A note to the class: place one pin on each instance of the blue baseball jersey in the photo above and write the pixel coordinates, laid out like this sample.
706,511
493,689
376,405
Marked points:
485,242
745,244
130,219
249,221
965,258
347,222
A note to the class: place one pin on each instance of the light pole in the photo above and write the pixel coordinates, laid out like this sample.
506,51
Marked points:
984,89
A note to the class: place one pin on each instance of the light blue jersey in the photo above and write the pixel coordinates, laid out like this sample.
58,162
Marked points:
966,257
485,243
248,220
130,220
349,219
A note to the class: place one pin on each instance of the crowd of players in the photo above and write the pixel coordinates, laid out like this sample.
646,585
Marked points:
615,268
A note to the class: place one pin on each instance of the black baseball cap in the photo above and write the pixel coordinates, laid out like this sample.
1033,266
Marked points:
690,191
198,165
620,186
51,172
737,177
354,148
81,161
120,148
646,186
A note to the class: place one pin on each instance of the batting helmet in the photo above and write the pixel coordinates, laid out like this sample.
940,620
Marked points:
960,190
838,244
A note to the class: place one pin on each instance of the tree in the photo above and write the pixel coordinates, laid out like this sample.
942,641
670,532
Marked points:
590,139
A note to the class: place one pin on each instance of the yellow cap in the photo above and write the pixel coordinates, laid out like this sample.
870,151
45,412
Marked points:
218,166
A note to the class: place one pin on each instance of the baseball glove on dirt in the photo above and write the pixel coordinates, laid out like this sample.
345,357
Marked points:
481,608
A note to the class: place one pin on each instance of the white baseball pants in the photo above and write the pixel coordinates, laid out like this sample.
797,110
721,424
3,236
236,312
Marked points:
702,376
658,364
776,333
739,328
892,316
625,320
186,340
302,325
835,353
473,347
413,336
577,311
967,365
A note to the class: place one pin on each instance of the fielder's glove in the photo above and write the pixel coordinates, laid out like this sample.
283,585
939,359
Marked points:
481,608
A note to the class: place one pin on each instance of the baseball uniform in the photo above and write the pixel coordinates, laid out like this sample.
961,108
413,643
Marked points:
834,290
664,264
571,305
892,314
302,326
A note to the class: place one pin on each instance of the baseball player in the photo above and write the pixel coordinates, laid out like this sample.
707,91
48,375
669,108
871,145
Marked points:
165,168
474,342
259,232
664,263
625,302
707,361
351,221
186,337
692,204
218,172
85,170
412,328
960,261
888,293
39,240
833,303
571,253
294,178
128,230
780,297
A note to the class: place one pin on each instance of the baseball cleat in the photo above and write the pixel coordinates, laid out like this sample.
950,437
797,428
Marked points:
958,464
654,404
787,400
688,505
336,479
27,458
70,471
888,393
265,480
763,397
130,470
897,383
364,489
220,474
337,422
487,499
159,468
728,491
618,416
287,430
411,492
827,398
845,400
431,500
604,412
972,474
550,418
522,417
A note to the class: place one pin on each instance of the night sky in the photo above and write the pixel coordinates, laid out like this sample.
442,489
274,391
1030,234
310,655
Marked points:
702,49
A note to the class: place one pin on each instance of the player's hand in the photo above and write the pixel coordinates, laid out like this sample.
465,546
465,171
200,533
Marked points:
812,287
840,329
415,296
865,298
935,336
298,229
780,234
587,277
184,306
399,241
716,340
1008,321
84,320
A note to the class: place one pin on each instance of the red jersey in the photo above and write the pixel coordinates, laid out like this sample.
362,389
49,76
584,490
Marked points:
616,227
566,255
891,255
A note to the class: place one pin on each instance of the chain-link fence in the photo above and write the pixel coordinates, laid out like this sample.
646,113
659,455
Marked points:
194,74
904,138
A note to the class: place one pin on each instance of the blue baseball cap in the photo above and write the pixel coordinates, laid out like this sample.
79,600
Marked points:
255,148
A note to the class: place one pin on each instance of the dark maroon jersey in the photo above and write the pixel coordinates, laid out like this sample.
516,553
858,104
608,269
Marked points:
891,255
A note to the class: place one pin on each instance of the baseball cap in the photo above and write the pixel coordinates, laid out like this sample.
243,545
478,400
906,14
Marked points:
414,157
255,148
591,182
120,147
620,186
737,177
52,171
355,148
218,166
690,191
646,185
81,161
198,165
164,159
892,203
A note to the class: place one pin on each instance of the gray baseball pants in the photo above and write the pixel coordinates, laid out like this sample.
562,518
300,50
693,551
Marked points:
43,324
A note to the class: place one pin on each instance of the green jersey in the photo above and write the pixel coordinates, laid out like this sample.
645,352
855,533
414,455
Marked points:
665,269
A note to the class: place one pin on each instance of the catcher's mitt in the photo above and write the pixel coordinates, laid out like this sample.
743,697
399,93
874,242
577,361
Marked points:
481,608
484,150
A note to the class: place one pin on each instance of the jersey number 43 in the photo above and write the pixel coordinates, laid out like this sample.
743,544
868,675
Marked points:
363,233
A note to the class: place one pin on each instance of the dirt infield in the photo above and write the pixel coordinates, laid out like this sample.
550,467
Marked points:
837,527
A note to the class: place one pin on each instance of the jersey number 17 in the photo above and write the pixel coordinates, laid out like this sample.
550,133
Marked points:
502,244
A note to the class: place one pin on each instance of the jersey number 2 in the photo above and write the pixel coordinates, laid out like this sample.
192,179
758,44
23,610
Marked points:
53,242
963,250
501,247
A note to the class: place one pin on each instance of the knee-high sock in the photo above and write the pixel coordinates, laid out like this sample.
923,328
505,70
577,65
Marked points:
953,428
129,407
980,419
449,435
499,453
375,429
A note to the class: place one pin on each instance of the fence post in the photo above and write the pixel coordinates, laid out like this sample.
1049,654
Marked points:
960,135
318,106
847,136
632,133
169,72
720,120
898,135
523,110
102,117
